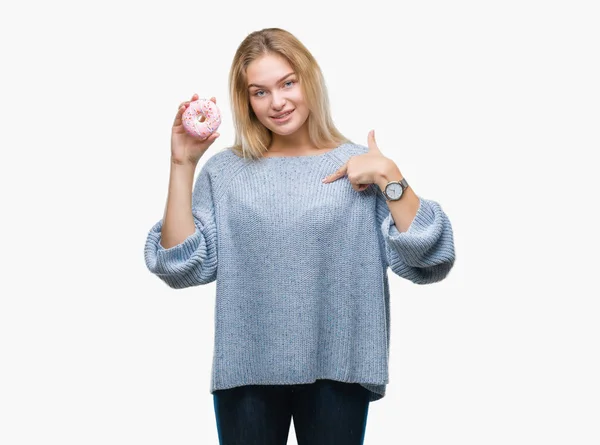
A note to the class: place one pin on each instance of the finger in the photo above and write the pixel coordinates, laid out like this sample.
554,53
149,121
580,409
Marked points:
211,138
359,187
371,141
214,99
341,172
180,110
194,97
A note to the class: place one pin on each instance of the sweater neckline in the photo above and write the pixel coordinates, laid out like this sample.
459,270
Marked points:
303,157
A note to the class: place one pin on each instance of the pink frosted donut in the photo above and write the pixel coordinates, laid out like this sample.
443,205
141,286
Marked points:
193,113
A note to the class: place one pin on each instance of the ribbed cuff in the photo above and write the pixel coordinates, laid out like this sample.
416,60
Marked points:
171,261
420,237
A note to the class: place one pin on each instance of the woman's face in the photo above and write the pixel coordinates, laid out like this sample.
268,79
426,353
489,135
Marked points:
274,90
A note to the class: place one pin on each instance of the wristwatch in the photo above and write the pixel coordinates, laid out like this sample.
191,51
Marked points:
394,190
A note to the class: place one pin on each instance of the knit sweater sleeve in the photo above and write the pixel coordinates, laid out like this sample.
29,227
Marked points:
193,261
423,254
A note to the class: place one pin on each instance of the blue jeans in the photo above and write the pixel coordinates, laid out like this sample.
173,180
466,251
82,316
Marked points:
326,412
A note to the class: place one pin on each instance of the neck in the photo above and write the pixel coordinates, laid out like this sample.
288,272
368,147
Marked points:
296,141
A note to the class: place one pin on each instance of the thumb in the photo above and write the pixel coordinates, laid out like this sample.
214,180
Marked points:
371,142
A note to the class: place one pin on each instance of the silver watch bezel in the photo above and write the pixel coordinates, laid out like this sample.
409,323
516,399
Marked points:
403,187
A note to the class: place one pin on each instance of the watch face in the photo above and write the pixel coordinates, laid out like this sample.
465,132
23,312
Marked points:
394,190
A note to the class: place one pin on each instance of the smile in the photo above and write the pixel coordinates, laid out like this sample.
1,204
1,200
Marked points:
283,117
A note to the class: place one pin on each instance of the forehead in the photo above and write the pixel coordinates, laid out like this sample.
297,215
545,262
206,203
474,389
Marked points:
267,69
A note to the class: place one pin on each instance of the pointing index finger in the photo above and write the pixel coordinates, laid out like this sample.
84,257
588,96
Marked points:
337,175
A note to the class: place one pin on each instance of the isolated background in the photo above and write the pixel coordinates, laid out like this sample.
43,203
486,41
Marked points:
489,108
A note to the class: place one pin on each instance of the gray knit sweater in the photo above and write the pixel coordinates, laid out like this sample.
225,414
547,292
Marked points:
300,268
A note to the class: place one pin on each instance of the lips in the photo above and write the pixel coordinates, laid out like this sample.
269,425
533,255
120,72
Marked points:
280,115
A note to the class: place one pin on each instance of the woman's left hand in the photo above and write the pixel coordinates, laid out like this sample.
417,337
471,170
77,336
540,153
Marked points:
363,170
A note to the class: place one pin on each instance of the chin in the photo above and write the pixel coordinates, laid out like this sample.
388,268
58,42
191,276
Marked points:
287,131
284,133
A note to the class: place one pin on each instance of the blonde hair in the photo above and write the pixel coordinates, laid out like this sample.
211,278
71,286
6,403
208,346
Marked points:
252,138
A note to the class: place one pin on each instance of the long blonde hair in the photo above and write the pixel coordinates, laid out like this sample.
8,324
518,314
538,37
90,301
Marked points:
252,138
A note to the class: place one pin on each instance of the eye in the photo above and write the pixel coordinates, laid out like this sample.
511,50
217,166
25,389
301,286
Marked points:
257,93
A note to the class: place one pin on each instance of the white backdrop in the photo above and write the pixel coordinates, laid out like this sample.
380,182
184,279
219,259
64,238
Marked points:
489,108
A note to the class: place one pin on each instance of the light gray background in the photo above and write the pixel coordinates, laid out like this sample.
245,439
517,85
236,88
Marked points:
489,108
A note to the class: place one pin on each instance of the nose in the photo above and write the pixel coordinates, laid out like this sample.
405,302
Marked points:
277,101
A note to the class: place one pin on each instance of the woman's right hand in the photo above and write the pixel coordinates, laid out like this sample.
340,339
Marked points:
186,149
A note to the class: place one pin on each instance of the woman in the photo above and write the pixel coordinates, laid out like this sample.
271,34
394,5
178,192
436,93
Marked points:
293,224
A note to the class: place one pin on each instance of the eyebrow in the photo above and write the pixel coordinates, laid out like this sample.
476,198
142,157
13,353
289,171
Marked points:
262,86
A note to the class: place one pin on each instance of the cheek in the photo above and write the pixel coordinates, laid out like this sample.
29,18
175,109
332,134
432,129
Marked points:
298,99
256,108
297,95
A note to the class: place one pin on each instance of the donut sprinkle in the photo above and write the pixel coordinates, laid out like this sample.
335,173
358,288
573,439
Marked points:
195,111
